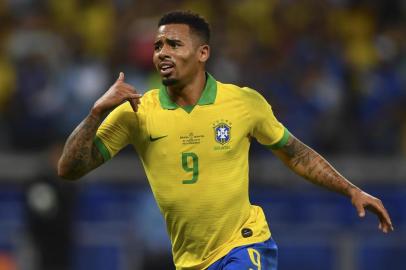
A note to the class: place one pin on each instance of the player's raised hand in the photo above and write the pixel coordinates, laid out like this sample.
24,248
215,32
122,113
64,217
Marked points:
362,200
118,93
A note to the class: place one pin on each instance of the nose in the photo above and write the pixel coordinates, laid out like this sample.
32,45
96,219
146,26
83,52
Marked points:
163,53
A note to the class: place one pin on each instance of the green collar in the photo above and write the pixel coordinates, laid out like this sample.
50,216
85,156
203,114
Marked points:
208,96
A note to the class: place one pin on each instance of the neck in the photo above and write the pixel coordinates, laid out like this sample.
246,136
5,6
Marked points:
190,93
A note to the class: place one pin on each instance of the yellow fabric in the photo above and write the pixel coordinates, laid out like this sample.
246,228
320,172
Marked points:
204,219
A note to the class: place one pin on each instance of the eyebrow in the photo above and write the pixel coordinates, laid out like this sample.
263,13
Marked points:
169,40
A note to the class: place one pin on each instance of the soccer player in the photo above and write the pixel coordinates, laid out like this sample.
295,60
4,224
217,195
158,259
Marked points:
192,136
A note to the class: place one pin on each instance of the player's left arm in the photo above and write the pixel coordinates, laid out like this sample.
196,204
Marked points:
309,164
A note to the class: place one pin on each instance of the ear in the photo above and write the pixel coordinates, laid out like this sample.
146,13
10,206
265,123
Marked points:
203,53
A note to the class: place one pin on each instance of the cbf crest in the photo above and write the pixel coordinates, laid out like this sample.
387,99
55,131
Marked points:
222,131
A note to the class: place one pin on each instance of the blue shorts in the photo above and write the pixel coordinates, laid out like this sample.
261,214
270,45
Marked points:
258,256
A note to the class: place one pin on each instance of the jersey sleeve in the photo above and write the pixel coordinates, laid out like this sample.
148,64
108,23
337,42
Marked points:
266,129
116,131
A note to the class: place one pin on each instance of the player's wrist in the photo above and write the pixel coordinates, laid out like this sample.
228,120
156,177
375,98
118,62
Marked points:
353,192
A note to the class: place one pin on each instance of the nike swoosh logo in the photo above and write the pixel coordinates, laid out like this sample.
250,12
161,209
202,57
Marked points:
156,138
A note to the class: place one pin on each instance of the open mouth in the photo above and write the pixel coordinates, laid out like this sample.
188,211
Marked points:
166,68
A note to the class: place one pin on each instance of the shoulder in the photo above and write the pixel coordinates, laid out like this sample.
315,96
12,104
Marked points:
248,94
252,94
238,90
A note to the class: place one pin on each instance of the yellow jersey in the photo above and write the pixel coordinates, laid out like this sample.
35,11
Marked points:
196,162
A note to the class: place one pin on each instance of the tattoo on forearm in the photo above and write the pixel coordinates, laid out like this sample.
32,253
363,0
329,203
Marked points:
306,162
80,155
298,153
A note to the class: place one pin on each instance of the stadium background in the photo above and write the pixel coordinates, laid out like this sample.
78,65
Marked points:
333,70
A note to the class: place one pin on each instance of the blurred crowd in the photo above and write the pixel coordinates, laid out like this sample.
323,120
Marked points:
333,70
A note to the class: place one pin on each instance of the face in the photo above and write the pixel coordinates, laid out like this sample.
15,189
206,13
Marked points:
178,54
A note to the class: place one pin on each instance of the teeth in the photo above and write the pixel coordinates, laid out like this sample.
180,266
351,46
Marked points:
165,66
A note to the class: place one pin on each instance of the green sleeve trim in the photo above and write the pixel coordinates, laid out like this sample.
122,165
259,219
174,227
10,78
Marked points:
282,141
102,148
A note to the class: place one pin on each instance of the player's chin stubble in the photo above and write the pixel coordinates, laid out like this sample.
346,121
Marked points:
169,82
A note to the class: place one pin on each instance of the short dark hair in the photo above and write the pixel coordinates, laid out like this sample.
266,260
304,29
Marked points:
196,23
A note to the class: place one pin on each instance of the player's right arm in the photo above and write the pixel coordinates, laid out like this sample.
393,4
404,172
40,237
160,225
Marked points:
80,154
